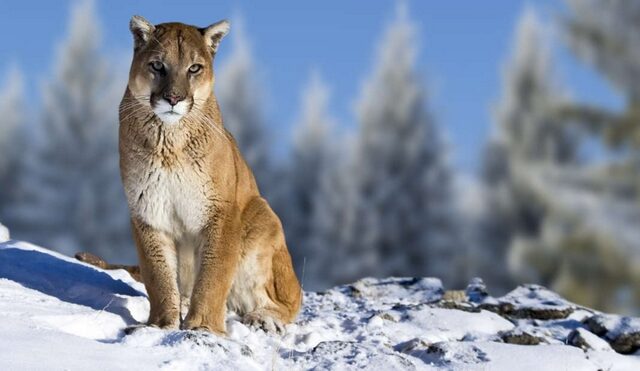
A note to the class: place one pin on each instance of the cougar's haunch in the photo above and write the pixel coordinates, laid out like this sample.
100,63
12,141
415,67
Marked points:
206,239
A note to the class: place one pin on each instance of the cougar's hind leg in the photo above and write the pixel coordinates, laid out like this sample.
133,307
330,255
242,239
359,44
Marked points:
265,292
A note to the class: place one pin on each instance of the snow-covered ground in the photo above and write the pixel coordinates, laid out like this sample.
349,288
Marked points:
4,233
60,314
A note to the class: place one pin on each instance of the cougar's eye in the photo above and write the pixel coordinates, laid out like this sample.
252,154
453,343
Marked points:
156,66
195,68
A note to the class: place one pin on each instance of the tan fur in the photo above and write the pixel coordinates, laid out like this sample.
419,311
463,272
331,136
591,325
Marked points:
206,239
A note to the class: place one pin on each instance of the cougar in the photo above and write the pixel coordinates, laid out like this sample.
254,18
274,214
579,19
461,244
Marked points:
206,239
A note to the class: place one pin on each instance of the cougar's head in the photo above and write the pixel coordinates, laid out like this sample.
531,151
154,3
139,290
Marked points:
172,71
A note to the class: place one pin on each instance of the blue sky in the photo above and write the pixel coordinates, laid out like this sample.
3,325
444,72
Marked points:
463,46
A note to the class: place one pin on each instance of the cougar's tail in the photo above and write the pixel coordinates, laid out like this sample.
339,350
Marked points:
287,287
97,261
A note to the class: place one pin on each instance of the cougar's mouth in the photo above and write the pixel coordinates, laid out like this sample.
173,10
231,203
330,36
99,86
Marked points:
170,114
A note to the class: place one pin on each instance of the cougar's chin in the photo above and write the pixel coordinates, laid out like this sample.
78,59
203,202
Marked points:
170,114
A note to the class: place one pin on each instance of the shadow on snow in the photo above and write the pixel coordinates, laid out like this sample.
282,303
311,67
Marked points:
67,281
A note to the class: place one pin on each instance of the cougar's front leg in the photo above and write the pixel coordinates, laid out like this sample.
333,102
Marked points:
218,262
158,269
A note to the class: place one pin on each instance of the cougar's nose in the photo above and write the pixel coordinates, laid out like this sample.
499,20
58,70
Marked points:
173,99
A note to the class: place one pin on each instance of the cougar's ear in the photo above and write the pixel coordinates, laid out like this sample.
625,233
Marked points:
141,30
214,33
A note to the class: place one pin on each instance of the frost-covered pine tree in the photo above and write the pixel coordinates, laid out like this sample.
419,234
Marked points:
12,129
73,196
240,95
526,136
309,158
400,219
587,248
330,258
606,36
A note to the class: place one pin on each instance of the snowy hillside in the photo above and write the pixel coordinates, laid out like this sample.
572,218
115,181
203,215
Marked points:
57,313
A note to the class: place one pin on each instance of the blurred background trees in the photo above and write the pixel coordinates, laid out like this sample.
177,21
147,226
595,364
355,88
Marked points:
239,94
526,136
12,139
555,200
68,191
400,180
309,164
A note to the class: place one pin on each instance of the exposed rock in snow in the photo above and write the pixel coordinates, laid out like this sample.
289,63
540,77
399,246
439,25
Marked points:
58,313
530,301
623,333
4,233
522,337
586,340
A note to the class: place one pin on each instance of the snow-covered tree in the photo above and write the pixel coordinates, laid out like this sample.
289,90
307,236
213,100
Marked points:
588,237
12,128
73,196
526,135
399,218
240,95
526,125
606,36
309,158
329,259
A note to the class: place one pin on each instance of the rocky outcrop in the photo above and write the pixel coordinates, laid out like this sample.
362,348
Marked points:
623,333
542,316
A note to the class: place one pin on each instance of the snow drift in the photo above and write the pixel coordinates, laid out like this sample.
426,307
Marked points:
58,313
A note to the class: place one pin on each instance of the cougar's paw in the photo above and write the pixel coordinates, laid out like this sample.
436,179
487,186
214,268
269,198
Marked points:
163,326
197,323
169,321
264,320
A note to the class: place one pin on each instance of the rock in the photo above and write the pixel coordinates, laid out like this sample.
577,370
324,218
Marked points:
459,305
532,302
476,290
626,339
623,333
444,354
586,340
456,299
411,345
496,307
600,324
520,337
454,295
387,290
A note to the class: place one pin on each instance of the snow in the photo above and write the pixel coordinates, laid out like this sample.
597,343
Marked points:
4,233
58,313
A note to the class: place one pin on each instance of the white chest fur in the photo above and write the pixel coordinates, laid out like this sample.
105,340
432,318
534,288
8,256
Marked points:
173,200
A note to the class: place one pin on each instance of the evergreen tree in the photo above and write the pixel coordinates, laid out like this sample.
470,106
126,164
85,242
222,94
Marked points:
240,96
594,207
331,221
605,35
73,196
310,156
526,136
12,129
399,219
